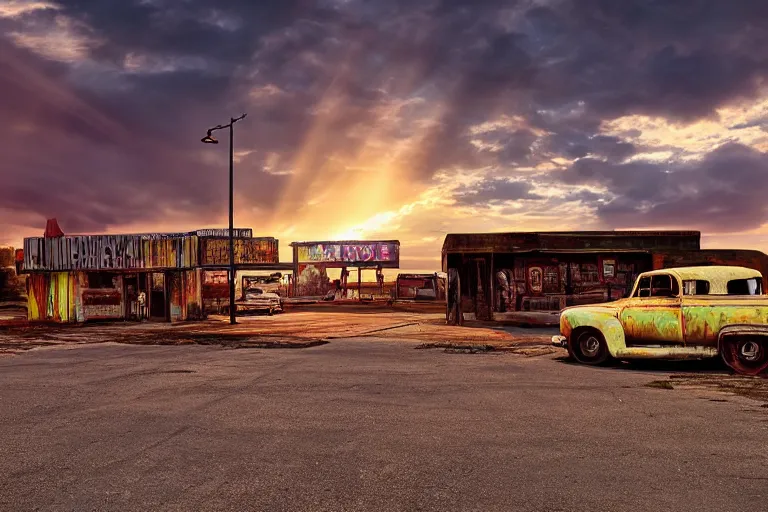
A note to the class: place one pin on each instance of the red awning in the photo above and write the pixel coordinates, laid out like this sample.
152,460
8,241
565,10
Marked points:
52,229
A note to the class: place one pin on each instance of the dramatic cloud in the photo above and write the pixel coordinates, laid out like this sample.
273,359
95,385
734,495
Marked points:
494,191
366,117
726,191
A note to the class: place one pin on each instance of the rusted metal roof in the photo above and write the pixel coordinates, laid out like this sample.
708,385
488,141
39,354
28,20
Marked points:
587,251
571,240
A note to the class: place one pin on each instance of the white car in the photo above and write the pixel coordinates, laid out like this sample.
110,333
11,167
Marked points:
256,299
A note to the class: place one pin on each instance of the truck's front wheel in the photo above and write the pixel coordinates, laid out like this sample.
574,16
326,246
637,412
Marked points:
589,347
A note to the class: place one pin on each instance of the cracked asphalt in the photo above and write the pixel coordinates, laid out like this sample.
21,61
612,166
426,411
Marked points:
365,424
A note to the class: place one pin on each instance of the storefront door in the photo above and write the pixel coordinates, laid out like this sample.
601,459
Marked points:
158,309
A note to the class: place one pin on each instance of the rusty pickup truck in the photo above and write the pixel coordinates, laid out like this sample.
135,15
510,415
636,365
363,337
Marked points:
676,313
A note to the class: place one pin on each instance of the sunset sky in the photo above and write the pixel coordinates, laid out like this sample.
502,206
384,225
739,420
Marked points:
386,119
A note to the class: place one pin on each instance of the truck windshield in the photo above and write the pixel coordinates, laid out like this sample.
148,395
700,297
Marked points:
662,285
753,286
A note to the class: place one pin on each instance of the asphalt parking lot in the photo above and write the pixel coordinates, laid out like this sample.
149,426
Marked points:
365,425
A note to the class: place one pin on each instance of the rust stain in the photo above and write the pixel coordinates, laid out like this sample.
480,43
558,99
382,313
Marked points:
692,322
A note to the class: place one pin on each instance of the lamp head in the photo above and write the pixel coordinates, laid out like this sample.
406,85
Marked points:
209,139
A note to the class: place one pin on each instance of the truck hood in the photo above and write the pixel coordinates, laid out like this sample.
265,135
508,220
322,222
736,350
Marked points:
611,308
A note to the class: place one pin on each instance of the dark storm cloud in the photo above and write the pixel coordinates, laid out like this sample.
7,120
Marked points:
677,59
494,191
725,191
65,157
121,133
224,30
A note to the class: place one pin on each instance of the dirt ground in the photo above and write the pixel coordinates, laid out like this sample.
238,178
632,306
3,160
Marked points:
300,326
422,325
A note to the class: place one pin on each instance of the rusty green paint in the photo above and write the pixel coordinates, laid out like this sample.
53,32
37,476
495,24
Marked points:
659,322
693,322
603,318
703,322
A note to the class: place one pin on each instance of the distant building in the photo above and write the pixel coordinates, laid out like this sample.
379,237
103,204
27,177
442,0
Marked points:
311,261
420,287
156,276
497,273
11,284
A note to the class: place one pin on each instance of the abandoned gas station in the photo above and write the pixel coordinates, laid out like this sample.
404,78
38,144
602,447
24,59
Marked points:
153,276
184,276
493,275
180,276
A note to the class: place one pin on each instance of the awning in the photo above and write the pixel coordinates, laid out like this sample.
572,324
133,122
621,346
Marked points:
586,251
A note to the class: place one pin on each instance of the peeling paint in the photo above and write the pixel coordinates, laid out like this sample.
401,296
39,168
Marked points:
685,326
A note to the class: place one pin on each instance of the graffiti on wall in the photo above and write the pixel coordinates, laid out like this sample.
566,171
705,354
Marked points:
384,253
312,281
108,252
215,251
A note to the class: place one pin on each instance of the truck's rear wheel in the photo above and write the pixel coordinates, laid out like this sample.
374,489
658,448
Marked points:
745,355
589,347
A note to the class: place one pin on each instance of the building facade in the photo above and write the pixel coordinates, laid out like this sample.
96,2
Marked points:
493,274
155,276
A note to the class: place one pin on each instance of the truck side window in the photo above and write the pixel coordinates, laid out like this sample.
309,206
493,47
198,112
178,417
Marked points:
696,287
643,287
752,286
664,286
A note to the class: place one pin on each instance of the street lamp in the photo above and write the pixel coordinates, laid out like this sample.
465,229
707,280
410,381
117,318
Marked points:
209,139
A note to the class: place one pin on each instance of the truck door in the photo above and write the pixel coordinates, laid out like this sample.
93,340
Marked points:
652,315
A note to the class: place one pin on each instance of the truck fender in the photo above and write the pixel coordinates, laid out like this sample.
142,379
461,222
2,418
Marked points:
728,346
758,330
608,325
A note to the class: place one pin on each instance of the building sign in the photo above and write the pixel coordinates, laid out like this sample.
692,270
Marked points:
108,252
215,251
609,268
536,279
224,232
386,254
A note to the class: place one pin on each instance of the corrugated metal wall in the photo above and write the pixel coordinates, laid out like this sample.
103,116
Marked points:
53,297
109,252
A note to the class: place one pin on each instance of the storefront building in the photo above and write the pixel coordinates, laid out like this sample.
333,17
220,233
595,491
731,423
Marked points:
493,274
155,276
420,287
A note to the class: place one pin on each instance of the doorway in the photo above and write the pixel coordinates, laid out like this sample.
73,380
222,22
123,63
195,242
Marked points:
158,309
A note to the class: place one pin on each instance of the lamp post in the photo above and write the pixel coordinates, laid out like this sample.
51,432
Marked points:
209,139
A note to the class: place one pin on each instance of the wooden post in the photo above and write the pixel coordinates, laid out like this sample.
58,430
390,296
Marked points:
493,290
292,289
359,281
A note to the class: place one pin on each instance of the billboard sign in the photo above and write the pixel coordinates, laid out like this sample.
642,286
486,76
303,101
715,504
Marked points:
356,253
215,251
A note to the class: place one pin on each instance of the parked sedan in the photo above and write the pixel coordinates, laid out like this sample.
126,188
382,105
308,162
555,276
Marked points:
256,299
